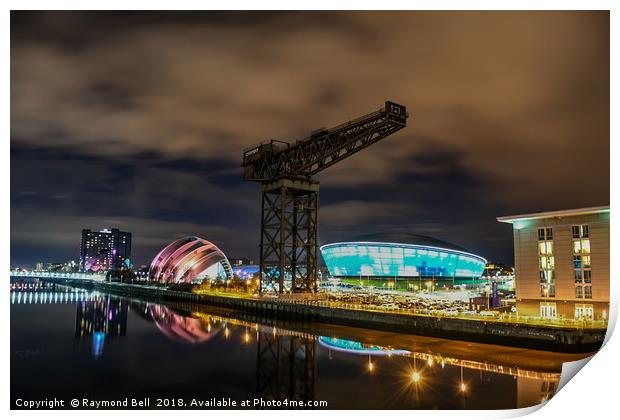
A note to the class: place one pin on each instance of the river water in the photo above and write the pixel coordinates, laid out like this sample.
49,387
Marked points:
80,344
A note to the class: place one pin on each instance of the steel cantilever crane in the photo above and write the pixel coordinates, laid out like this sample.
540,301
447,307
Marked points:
290,198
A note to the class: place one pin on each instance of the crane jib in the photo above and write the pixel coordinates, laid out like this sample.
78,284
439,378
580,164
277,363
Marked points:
275,159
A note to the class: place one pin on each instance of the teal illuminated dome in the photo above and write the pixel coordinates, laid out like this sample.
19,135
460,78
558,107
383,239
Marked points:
397,255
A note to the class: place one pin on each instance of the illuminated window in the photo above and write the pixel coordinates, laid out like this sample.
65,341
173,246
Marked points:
545,247
585,246
582,262
547,289
584,311
548,310
586,261
546,264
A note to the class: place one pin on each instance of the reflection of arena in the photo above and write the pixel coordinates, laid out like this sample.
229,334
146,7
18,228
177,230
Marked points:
182,328
190,260
395,256
355,347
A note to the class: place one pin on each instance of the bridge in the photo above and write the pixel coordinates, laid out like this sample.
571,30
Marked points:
42,287
53,275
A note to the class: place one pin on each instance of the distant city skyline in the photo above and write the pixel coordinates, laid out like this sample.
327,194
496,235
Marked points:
137,120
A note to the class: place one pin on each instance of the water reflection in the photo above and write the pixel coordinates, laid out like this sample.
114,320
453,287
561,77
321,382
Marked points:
178,327
355,347
297,361
285,362
100,317
285,366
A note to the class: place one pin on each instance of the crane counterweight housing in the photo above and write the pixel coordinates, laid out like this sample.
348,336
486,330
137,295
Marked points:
290,198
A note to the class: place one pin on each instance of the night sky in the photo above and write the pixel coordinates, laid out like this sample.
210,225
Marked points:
138,121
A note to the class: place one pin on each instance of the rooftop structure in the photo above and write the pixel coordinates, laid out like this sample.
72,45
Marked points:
555,214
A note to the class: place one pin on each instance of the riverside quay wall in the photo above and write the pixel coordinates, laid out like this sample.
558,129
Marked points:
525,335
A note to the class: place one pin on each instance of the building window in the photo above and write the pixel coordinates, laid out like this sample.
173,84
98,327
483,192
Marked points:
578,276
581,231
586,261
545,233
546,262
545,247
581,246
582,262
584,311
548,310
547,290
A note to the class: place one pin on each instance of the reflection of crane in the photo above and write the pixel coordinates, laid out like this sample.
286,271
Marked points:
285,367
290,198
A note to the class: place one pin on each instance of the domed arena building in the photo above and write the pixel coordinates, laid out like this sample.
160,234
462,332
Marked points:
398,260
190,260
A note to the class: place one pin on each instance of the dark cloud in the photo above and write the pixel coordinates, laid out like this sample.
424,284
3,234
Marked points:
142,116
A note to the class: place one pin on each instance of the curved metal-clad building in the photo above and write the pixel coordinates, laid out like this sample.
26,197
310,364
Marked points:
189,259
401,255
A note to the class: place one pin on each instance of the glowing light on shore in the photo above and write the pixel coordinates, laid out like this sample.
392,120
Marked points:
415,377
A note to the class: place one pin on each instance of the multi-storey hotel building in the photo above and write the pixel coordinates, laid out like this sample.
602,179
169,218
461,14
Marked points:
562,263
107,249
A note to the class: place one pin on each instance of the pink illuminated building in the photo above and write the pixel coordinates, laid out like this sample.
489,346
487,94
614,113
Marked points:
188,260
